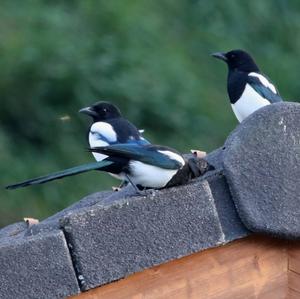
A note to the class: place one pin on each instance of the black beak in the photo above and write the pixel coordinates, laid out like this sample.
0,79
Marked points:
88,110
220,55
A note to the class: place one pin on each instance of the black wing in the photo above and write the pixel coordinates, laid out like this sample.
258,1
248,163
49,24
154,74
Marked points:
262,89
149,154
127,132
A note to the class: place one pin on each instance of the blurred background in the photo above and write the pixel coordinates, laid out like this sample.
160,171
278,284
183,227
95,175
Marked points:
151,58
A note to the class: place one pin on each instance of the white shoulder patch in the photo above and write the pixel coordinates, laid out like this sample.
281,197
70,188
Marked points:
173,156
104,129
264,81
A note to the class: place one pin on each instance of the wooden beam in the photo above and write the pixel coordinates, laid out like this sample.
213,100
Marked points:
294,270
255,267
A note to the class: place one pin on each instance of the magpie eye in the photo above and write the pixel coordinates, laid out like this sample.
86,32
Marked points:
105,110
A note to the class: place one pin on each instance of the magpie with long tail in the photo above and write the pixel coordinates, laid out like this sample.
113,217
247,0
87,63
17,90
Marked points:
147,166
108,127
247,87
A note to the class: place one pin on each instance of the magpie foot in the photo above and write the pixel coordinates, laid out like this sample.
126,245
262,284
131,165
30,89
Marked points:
138,191
141,192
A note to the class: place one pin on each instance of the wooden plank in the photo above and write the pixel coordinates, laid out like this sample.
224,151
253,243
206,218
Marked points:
255,267
294,256
293,294
294,281
294,270
294,263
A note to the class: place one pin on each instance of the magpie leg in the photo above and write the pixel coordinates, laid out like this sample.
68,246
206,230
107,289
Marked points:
123,184
134,186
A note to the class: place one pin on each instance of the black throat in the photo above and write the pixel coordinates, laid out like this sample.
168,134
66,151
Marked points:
236,83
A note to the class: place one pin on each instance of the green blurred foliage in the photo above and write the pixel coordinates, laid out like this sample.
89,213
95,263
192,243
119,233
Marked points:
151,58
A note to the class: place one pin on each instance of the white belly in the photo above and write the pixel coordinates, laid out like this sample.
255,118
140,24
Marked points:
149,175
249,102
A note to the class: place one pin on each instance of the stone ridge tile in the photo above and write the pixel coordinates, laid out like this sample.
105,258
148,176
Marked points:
36,267
232,226
262,167
215,158
13,231
52,223
113,240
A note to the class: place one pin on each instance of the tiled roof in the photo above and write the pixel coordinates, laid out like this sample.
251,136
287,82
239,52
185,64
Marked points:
106,236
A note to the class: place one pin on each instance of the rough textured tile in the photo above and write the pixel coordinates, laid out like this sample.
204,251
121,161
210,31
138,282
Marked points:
112,240
215,158
262,166
36,267
231,223
13,231
51,223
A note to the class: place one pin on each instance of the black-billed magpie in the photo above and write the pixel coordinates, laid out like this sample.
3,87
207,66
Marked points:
247,87
146,166
123,152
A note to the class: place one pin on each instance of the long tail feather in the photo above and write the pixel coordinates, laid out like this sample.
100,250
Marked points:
60,174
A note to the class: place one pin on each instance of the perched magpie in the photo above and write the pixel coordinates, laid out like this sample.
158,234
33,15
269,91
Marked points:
121,151
109,127
247,87
146,166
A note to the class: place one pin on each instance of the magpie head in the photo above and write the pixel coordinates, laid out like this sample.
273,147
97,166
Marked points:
238,60
101,111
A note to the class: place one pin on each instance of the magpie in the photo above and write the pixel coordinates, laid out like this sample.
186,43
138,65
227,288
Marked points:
144,166
121,151
109,127
247,87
